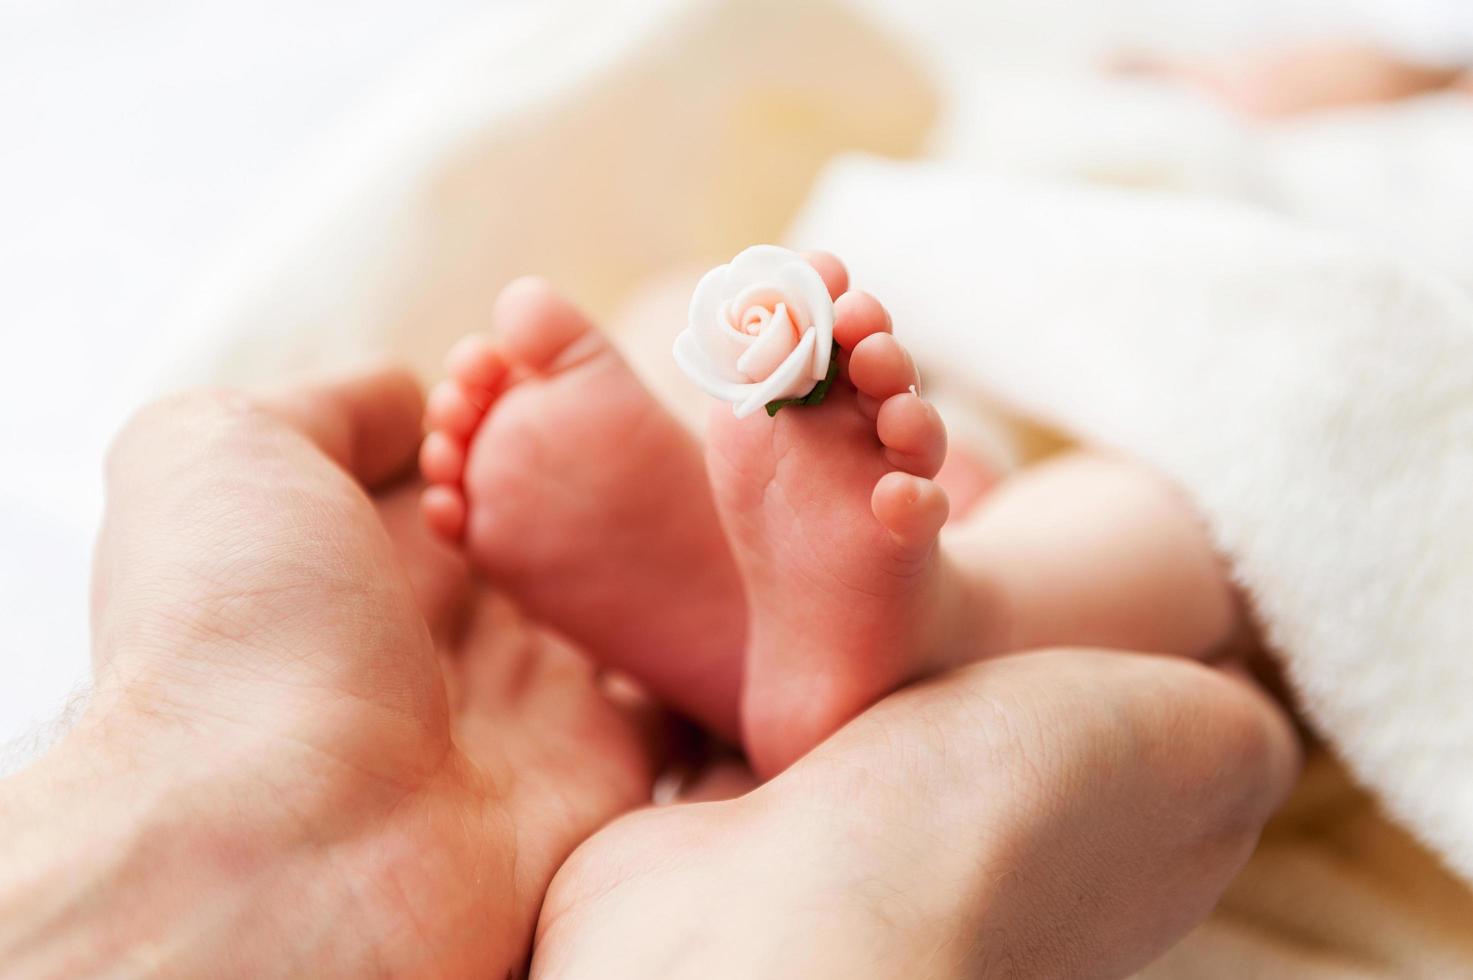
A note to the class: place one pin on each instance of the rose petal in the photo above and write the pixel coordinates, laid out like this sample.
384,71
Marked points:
762,294
790,380
801,282
706,302
760,264
772,346
777,295
722,344
696,362
758,317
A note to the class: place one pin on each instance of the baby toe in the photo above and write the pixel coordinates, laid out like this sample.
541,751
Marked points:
537,326
880,367
444,511
911,508
858,315
452,409
835,277
913,434
476,363
441,458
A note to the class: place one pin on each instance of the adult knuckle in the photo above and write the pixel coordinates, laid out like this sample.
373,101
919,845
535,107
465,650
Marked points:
189,419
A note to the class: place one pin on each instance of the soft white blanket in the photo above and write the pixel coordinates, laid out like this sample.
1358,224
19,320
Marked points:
1312,390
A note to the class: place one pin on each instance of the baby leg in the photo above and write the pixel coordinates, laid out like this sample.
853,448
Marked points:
1088,549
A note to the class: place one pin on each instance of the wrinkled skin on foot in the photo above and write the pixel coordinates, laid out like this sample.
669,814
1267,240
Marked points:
578,494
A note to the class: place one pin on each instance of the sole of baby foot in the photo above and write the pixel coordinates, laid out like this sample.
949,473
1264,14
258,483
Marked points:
833,516
582,498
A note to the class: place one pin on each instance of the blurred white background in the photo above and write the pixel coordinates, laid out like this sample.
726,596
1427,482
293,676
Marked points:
140,138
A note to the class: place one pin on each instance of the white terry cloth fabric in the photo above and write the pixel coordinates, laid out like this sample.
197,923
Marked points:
1398,174
1314,398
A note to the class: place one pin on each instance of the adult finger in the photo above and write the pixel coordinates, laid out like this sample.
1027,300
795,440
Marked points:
1057,814
368,423
439,573
235,537
1062,813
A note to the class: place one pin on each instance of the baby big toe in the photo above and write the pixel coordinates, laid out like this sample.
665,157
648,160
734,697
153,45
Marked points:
835,277
537,326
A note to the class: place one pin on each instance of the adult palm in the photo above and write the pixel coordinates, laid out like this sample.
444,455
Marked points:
293,788
273,647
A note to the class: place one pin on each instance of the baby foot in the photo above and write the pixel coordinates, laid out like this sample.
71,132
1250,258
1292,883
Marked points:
833,516
576,493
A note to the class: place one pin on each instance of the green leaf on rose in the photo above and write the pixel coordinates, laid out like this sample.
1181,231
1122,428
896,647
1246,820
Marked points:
815,396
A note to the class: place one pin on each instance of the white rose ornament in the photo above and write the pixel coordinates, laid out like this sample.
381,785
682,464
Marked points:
761,332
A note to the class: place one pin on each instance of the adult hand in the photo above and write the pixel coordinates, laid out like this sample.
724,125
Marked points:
269,779
1066,813
287,788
